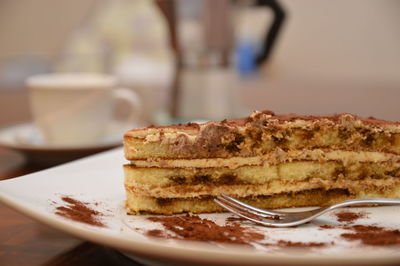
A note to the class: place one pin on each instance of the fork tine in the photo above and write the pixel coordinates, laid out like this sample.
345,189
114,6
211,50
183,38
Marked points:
265,222
240,204
288,219
242,209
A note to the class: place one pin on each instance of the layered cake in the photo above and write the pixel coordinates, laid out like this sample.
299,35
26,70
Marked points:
268,160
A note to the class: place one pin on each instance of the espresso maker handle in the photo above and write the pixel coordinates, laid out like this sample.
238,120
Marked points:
273,31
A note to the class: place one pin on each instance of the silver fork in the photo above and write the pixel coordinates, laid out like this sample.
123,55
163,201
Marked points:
287,219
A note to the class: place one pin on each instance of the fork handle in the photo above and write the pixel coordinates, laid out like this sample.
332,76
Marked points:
379,201
319,211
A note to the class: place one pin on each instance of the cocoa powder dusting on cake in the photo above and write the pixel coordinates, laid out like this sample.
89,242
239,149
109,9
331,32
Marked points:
198,229
349,217
79,211
372,235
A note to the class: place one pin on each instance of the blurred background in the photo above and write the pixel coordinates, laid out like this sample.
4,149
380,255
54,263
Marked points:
192,59
188,60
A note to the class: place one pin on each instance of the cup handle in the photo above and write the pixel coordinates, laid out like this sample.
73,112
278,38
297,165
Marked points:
134,102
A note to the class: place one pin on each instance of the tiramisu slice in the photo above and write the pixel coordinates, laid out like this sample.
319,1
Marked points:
268,160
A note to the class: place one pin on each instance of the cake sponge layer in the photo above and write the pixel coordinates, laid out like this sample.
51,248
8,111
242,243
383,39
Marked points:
268,188
153,177
316,197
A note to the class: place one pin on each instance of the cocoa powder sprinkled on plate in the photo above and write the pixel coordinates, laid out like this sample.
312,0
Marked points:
79,211
156,233
236,219
291,244
241,219
349,217
198,229
326,226
373,235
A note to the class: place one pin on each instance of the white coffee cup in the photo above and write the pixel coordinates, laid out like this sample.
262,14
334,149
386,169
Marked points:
77,108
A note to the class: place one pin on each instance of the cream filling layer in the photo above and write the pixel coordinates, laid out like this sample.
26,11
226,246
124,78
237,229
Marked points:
256,175
269,188
278,156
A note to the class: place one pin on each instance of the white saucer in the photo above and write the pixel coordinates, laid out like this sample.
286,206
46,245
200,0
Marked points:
26,139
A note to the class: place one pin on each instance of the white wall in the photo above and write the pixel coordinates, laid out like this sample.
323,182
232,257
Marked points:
334,56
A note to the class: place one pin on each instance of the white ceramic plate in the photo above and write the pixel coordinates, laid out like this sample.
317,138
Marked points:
100,179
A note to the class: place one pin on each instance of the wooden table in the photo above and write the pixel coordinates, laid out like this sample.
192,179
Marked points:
24,241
